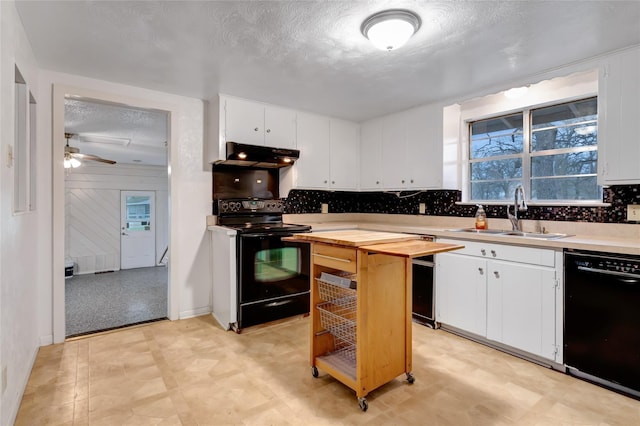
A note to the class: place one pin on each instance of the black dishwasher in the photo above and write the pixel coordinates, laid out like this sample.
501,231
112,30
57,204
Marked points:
602,319
423,288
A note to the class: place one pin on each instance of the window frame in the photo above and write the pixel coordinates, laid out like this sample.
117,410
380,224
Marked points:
525,156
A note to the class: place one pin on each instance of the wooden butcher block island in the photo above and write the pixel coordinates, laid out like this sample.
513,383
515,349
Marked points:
361,305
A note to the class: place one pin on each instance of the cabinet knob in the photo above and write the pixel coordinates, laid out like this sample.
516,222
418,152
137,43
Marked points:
333,182
268,130
483,251
255,129
481,271
326,181
411,180
402,180
493,253
377,182
496,273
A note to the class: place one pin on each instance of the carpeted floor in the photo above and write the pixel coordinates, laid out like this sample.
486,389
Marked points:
96,302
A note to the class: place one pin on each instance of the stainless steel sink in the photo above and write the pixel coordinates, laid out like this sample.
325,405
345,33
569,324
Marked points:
545,236
478,231
540,235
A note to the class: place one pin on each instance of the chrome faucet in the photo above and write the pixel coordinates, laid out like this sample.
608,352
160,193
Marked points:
519,204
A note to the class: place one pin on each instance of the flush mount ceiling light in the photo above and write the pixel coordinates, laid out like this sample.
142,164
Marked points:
390,29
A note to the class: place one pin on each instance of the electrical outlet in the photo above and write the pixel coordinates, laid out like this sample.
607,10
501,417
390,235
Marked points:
324,207
4,378
633,213
422,208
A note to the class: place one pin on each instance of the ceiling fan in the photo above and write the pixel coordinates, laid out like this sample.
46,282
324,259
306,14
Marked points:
72,155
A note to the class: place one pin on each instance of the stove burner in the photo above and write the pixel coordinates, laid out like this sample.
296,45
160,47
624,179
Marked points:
255,216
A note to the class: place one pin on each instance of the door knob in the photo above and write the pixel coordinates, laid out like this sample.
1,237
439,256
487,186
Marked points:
255,129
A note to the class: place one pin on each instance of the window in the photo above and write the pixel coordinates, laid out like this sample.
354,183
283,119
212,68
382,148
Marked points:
24,180
551,151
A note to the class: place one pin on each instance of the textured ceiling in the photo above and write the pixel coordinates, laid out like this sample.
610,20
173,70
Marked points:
310,55
116,132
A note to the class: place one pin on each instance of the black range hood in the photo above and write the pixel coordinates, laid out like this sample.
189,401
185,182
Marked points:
259,156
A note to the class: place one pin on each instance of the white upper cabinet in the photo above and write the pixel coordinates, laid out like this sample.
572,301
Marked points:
280,127
394,143
312,168
343,151
371,155
424,147
619,119
409,146
259,124
328,153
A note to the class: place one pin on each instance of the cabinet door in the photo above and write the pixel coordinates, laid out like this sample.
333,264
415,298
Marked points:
461,292
371,155
521,307
280,127
394,173
312,169
244,122
344,165
618,119
424,147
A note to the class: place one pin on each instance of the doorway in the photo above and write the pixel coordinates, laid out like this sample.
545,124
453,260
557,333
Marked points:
116,215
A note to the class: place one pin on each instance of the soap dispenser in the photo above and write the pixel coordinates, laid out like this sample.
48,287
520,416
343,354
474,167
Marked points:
481,218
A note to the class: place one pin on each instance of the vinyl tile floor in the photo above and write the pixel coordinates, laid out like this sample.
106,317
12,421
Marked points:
191,372
103,301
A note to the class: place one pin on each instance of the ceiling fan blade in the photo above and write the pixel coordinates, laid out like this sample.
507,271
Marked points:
92,158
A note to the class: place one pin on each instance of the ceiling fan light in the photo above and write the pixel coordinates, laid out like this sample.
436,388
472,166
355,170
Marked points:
390,29
67,163
74,162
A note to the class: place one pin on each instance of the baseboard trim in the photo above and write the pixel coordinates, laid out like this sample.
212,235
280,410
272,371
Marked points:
195,312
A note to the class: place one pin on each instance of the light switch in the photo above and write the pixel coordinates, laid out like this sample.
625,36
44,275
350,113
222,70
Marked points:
633,213
324,208
422,208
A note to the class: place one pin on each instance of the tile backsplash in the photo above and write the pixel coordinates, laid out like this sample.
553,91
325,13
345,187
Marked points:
442,203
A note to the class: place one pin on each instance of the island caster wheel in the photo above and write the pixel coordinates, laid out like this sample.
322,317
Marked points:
410,378
362,403
314,371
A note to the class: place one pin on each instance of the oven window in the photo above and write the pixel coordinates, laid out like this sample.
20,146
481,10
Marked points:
277,264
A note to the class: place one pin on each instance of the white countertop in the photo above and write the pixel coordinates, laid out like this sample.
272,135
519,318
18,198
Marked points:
603,237
614,238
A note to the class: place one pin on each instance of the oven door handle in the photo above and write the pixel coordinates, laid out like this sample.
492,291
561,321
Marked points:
267,235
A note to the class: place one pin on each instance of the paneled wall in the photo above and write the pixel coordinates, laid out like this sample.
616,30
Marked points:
92,212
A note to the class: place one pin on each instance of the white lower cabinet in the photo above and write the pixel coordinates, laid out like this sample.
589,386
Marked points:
509,295
461,292
521,302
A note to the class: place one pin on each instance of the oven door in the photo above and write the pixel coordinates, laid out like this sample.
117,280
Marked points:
273,278
269,267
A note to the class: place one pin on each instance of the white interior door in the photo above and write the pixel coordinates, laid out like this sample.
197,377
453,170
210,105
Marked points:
137,229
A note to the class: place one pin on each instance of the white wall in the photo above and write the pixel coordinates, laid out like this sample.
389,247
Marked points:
92,211
189,193
22,237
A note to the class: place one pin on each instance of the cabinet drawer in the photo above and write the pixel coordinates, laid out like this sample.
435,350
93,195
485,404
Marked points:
340,258
531,255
